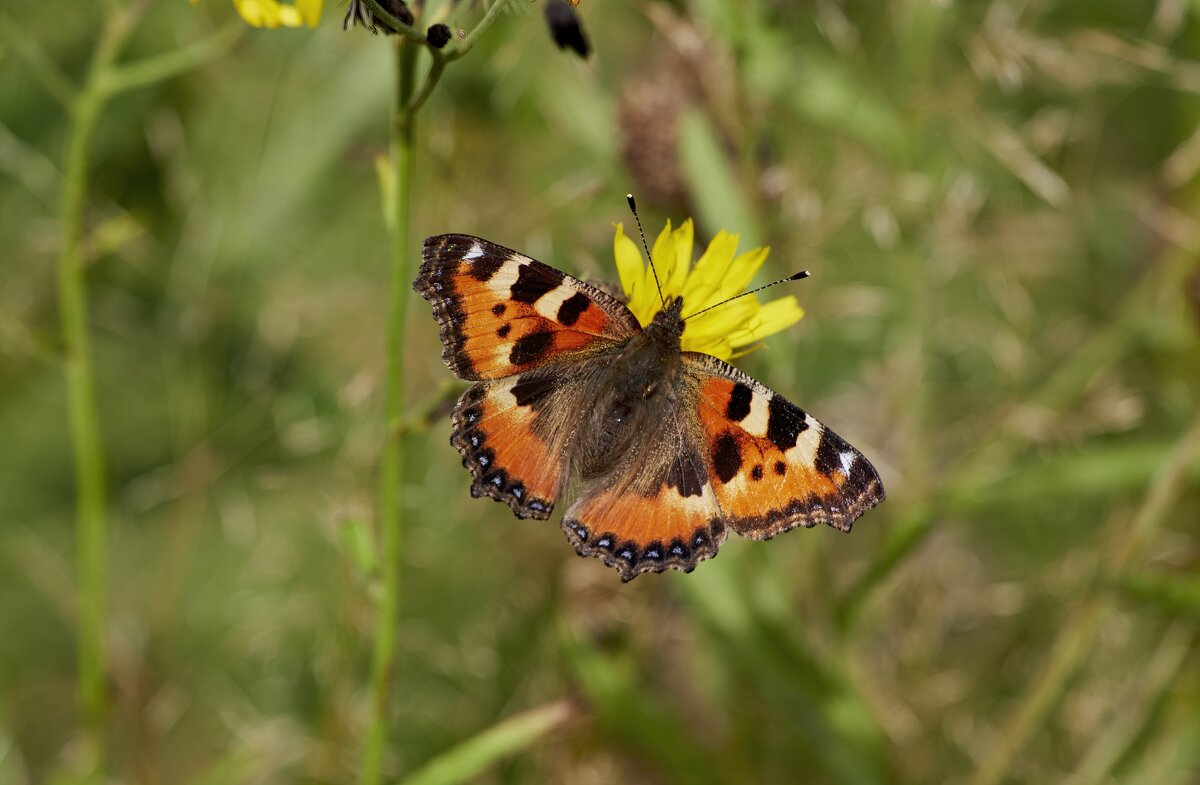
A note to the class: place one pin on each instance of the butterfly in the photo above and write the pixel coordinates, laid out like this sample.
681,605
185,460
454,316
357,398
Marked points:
665,450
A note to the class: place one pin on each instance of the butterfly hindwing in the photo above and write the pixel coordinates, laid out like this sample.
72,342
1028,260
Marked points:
655,512
502,313
514,435
772,466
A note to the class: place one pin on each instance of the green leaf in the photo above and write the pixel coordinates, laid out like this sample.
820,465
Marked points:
715,190
1170,593
1099,471
464,761
827,93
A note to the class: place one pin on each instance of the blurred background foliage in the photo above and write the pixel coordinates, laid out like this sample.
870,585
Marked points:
999,202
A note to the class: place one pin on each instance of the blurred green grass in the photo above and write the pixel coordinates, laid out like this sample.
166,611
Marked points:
998,202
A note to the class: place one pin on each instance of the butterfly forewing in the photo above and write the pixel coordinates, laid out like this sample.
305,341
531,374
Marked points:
773,466
523,329
502,313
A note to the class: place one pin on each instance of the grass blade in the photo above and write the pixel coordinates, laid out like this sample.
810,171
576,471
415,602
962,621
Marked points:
464,761
720,202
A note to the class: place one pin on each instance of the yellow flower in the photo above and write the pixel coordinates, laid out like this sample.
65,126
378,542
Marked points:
719,274
272,13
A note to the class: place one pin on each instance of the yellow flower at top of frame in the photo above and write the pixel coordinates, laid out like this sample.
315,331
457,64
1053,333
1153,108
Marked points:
272,13
720,274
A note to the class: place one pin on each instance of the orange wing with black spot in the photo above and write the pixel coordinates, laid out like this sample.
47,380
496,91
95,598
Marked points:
502,313
656,513
512,435
519,327
772,466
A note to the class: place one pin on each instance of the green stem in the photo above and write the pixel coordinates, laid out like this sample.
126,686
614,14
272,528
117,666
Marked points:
91,514
493,13
406,104
165,66
392,461
430,82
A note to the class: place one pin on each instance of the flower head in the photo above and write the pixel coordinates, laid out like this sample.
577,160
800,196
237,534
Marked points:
358,12
719,274
272,13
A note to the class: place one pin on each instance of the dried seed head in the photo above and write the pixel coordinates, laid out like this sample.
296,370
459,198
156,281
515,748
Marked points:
359,13
398,9
648,112
689,70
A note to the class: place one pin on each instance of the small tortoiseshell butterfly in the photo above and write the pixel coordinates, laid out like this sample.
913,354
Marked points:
670,449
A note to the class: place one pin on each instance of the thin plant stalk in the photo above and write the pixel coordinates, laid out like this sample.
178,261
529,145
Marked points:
392,462
104,78
406,104
91,512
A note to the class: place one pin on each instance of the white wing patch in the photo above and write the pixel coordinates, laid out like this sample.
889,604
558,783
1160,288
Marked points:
548,304
755,423
847,461
501,282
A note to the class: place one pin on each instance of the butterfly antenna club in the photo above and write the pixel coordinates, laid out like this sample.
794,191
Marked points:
633,208
794,277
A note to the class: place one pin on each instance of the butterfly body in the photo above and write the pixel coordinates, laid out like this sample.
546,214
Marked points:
666,449
633,391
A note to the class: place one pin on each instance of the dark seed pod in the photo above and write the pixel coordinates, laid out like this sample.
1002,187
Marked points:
565,27
438,36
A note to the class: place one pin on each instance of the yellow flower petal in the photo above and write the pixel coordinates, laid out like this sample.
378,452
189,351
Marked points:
664,252
742,270
272,14
703,285
258,13
724,320
289,16
778,315
720,274
310,11
775,316
684,236
643,299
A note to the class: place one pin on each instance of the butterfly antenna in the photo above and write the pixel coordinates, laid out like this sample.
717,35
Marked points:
633,207
798,276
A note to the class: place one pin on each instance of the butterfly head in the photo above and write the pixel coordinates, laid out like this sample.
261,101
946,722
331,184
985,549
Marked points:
670,319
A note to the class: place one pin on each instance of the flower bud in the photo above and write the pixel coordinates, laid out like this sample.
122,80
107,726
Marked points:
565,27
438,36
